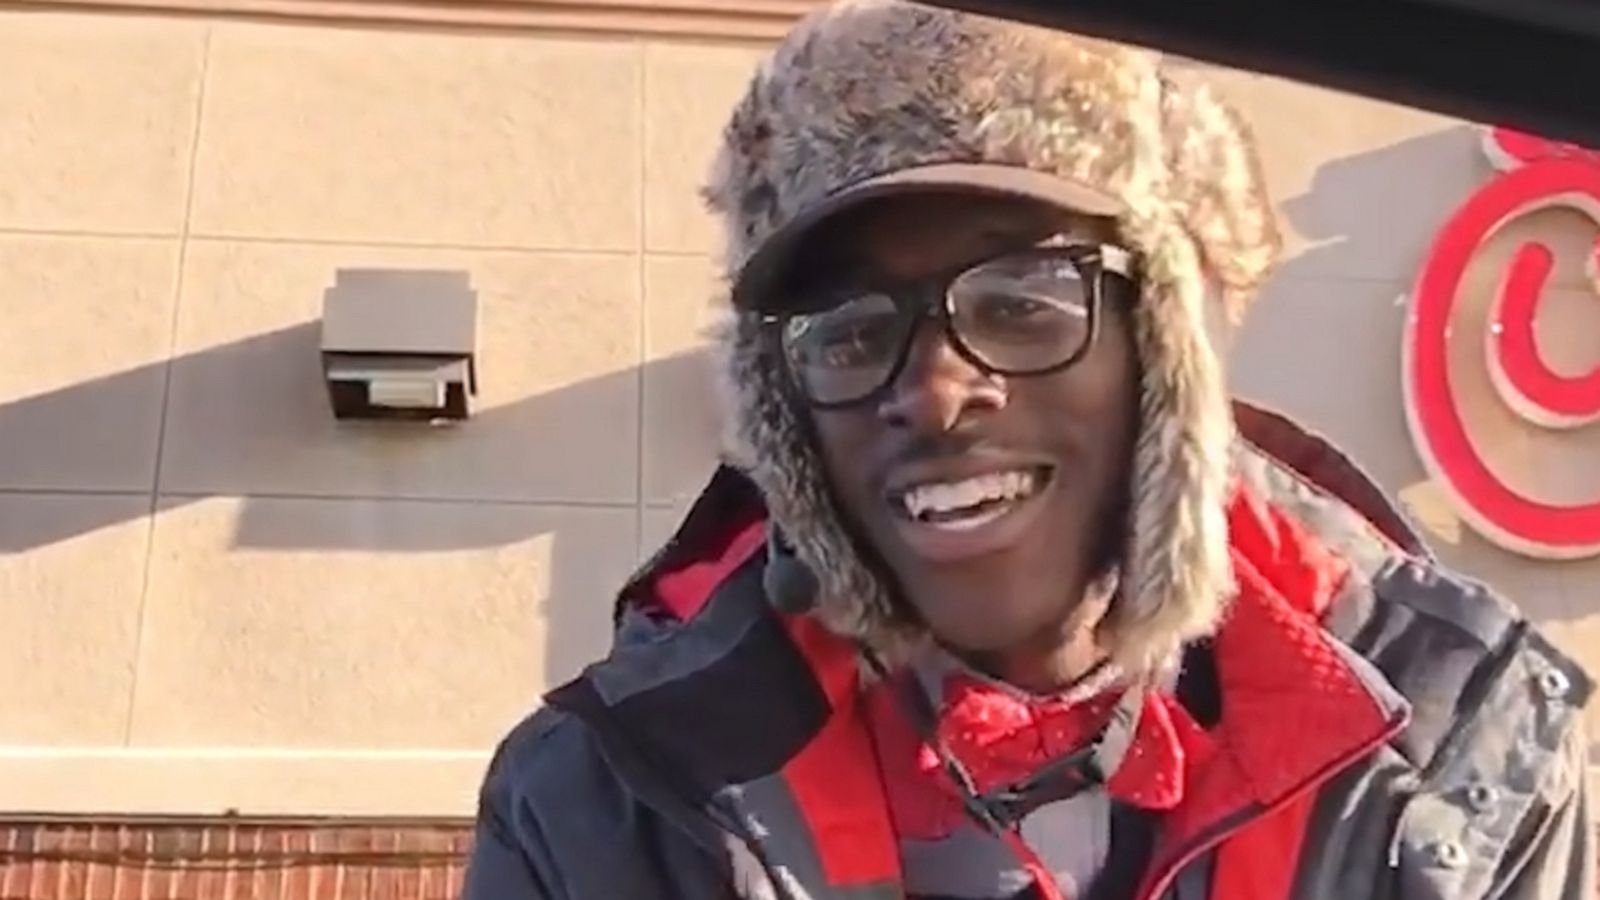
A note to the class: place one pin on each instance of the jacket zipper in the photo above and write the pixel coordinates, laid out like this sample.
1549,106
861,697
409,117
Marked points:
1170,871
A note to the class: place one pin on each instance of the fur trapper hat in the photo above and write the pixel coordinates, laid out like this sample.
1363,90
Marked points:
870,88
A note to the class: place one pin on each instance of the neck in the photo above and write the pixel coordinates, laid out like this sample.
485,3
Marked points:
1041,670
1055,658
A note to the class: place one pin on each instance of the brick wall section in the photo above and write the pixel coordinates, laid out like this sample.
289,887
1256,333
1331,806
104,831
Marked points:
211,859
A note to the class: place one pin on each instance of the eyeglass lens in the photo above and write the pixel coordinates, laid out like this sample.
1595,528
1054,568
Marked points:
1015,315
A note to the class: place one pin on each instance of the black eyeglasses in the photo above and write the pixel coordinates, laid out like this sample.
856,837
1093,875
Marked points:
1031,312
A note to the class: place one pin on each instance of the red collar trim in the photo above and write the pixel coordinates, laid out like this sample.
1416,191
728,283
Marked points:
1302,570
682,592
834,780
1294,713
1292,704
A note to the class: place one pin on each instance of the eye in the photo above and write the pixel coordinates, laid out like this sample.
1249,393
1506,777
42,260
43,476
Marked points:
848,344
1020,298
1012,309
863,332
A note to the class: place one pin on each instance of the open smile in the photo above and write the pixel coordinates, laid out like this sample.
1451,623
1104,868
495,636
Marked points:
955,517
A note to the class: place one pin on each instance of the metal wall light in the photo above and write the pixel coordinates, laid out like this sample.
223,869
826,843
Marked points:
400,344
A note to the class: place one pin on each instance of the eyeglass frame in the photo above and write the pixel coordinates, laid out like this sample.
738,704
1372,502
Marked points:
933,295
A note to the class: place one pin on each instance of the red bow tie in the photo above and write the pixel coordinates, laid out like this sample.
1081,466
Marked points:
1002,738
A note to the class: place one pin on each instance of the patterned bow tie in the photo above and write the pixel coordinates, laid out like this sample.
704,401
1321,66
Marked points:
1002,738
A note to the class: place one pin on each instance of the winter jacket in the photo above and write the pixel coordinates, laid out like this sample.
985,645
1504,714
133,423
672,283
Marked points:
1387,729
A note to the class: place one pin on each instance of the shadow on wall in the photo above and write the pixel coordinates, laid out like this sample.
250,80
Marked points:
1369,213
264,401
1365,219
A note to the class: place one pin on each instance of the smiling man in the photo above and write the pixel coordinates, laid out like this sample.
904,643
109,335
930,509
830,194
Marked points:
1004,597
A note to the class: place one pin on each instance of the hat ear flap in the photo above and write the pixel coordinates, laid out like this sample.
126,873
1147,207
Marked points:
772,440
1177,577
1217,186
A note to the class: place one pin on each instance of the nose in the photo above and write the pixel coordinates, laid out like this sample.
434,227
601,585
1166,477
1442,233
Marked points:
938,387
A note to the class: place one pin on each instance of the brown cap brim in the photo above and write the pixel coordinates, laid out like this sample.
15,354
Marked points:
755,287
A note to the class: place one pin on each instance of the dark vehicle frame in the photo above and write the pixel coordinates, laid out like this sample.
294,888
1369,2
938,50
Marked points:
1524,64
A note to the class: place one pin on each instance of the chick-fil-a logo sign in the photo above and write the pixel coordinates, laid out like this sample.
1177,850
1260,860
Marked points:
1533,174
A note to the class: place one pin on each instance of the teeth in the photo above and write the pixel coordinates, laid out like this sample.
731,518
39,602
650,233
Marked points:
970,522
945,497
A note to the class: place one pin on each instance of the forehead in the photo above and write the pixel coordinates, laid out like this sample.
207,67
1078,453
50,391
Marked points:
913,236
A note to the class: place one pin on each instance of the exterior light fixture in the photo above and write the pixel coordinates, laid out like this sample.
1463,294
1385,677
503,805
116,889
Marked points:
400,345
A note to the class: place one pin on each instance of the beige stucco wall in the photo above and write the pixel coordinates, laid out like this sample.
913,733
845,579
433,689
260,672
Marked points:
212,597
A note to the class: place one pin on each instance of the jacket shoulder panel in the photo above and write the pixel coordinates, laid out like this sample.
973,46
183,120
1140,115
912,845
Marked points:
1305,464
1516,760
1496,736
1335,523
1449,600
1444,641
1438,638
559,800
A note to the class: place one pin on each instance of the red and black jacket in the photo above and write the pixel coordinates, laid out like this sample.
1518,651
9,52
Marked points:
1383,729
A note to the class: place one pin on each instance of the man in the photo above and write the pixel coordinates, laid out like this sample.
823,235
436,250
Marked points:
1005,599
